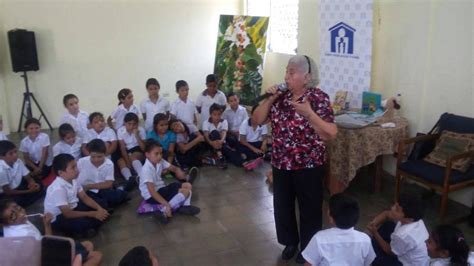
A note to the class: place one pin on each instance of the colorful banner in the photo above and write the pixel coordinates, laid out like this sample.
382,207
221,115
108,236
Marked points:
346,47
240,51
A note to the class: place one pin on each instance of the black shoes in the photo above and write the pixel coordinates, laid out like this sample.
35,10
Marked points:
300,259
189,210
289,252
193,174
161,217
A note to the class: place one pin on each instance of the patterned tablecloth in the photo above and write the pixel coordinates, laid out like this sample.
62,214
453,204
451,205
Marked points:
354,148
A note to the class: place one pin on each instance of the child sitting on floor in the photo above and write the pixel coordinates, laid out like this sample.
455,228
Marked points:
173,197
164,136
35,148
73,211
189,144
15,224
96,176
99,130
253,142
235,114
15,179
342,244
68,143
399,234
447,246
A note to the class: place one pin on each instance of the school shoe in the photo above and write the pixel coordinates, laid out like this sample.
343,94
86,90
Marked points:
209,161
193,174
189,210
250,165
161,217
221,163
300,259
130,184
289,252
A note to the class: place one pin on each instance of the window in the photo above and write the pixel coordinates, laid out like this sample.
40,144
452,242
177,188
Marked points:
283,28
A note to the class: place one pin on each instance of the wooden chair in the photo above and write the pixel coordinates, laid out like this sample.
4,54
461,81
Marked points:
437,178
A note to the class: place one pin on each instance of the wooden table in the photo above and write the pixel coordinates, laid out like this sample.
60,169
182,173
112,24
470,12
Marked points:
355,148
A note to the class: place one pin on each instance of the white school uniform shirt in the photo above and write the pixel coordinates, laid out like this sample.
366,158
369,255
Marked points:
90,174
343,247
185,112
107,135
34,148
408,243
205,101
61,193
130,140
20,230
447,261
12,175
150,109
119,114
151,173
250,134
235,118
221,126
63,147
79,123
3,136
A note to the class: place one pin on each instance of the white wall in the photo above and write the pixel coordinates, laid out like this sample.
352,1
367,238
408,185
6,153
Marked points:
95,48
421,48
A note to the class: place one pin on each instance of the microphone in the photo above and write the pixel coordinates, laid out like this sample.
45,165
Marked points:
283,87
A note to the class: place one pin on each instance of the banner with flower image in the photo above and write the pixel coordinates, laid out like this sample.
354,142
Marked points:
240,51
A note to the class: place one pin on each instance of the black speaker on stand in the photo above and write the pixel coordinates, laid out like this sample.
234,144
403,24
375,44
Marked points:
24,58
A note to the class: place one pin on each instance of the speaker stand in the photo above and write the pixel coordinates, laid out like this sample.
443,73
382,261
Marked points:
26,106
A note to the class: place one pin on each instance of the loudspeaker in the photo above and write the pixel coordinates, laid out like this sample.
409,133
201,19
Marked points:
23,50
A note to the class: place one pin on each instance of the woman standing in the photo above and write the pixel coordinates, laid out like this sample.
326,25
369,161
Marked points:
301,120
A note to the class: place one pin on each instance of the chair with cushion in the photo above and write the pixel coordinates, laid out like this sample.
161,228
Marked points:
443,160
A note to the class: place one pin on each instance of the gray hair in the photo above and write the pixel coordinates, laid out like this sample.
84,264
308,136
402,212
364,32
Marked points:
301,61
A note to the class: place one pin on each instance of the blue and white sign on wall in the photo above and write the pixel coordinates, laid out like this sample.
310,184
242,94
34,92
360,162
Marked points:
346,47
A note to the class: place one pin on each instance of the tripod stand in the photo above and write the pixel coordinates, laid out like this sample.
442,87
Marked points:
27,96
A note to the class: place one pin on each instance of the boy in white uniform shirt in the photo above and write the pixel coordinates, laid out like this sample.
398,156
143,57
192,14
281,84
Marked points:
208,97
68,142
73,211
399,234
96,176
342,244
173,197
16,224
15,179
184,108
78,119
235,114
153,104
99,130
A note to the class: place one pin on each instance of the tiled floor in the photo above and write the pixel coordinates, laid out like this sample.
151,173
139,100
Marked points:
236,224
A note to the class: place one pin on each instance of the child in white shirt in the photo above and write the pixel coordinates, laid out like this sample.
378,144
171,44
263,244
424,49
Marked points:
96,176
68,142
211,95
234,114
342,244
252,142
35,148
131,139
99,130
447,246
399,234
73,211
16,224
2,135
78,119
173,197
184,108
153,104
15,179
125,96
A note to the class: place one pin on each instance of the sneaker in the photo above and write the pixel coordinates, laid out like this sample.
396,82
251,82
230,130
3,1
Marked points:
250,165
161,217
221,163
189,210
129,185
209,161
192,174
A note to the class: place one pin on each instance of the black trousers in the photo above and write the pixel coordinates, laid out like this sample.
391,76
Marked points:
306,186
